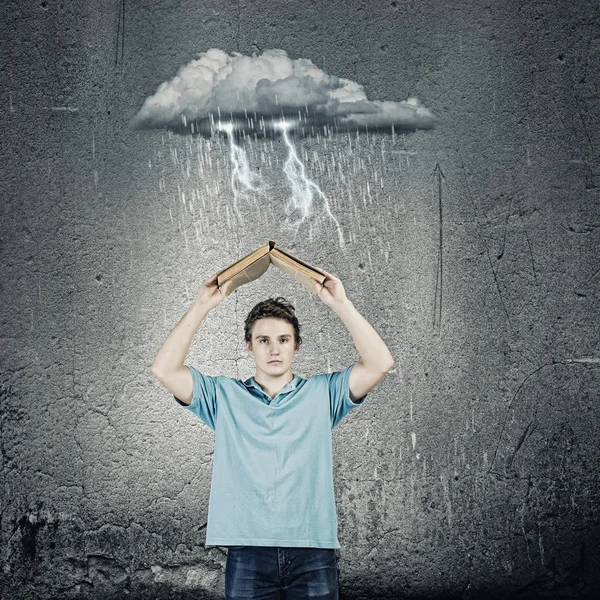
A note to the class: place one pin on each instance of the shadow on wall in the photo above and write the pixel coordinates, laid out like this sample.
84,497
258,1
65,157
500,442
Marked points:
46,555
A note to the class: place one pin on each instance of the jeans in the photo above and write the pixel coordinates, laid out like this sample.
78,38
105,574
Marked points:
274,573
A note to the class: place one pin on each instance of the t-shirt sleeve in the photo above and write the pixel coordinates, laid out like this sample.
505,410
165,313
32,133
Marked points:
340,402
204,400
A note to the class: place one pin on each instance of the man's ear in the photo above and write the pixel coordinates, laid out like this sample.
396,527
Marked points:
249,347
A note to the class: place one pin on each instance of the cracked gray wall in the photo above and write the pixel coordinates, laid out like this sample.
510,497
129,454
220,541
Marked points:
472,469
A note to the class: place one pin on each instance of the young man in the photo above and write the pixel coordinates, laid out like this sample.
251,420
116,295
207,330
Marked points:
272,498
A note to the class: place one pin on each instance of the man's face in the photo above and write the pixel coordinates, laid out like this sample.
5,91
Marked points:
272,346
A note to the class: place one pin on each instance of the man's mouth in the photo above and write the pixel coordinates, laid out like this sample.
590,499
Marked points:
274,361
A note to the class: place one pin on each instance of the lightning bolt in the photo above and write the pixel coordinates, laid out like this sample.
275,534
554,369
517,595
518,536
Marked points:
242,178
303,189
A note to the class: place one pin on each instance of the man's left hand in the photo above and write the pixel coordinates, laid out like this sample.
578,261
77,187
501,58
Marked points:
331,291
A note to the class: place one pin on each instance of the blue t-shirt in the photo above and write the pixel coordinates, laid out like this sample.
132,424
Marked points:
272,479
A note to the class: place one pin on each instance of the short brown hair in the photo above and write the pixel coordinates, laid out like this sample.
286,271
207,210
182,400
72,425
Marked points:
273,308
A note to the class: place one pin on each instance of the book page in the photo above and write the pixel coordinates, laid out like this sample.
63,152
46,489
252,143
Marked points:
299,264
228,272
250,273
299,275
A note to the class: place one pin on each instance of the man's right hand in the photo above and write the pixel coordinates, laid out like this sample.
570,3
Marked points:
211,294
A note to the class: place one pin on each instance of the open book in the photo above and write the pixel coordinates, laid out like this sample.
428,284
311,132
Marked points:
253,265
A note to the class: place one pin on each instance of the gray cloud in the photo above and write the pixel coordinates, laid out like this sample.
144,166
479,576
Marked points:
256,92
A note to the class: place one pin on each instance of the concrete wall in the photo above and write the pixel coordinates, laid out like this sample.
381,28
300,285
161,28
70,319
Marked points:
472,469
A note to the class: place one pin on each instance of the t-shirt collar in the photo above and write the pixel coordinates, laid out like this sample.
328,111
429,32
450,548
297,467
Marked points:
288,387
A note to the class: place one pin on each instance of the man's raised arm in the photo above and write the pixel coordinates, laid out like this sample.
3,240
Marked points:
375,357
168,365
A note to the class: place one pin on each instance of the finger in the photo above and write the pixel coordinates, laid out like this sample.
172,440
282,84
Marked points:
211,279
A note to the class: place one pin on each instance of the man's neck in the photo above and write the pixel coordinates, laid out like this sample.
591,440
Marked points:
273,385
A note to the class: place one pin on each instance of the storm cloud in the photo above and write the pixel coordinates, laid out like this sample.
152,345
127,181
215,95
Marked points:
255,93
